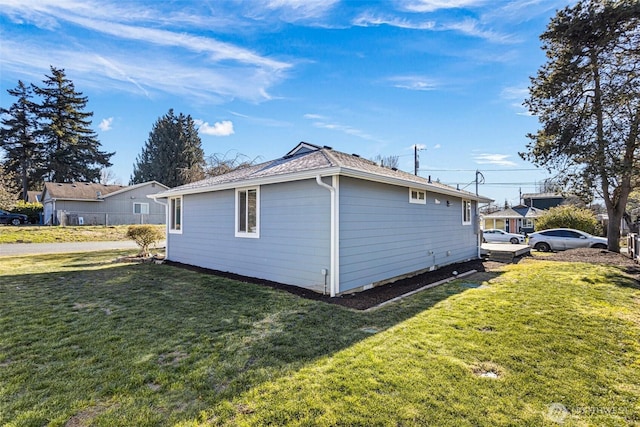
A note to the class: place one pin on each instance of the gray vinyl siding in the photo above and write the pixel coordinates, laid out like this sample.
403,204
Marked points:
294,242
383,236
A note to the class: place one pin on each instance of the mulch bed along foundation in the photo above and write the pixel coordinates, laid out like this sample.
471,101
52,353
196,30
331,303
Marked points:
359,300
372,297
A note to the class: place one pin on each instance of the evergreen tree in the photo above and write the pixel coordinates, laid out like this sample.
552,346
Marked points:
72,147
172,154
23,153
587,99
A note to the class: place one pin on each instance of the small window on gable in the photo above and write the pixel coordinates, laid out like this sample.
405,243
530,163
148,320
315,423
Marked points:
248,212
175,215
141,208
417,196
466,212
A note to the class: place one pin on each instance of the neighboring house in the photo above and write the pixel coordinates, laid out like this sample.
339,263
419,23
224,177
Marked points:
518,219
34,197
542,200
322,220
97,204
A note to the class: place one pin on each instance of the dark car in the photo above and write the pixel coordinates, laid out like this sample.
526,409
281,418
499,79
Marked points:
12,218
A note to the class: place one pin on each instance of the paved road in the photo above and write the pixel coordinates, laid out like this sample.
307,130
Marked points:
45,248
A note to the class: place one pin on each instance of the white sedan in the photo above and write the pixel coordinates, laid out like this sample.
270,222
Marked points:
559,239
493,235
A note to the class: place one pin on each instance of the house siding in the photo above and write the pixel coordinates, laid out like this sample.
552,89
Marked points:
383,236
294,242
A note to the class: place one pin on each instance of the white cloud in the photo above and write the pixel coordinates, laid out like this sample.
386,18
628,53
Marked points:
321,122
437,146
314,117
105,124
368,20
294,10
494,159
419,83
472,28
433,5
223,128
216,70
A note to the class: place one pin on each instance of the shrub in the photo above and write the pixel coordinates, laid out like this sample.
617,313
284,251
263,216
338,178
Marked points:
144,236
569,216
30,209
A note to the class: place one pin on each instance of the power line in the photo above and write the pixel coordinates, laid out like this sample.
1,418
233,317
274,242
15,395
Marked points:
482,170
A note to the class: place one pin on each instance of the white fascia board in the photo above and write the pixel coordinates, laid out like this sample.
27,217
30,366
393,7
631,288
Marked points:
311,174
64,199
133,187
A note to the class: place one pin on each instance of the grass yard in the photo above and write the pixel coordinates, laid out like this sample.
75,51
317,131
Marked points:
85,341
59,234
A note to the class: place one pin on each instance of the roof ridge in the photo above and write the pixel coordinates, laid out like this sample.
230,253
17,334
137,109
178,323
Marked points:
333,160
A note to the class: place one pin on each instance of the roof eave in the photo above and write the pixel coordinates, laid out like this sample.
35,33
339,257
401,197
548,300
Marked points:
310,174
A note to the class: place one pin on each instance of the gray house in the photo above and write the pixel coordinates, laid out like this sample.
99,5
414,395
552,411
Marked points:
321,219
87,203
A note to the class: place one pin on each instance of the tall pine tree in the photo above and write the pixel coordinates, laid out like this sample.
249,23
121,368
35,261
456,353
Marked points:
18,137
72,147
173,153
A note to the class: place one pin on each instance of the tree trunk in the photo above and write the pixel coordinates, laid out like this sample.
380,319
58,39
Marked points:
613,229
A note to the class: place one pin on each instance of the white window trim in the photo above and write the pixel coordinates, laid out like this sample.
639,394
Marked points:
172,213
419,201
141,210
464,204
247,234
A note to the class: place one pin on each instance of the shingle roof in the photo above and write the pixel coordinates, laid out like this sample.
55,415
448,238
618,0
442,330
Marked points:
312,161
79,190
516,212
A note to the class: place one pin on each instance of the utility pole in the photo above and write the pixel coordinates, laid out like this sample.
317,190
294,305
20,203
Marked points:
416,159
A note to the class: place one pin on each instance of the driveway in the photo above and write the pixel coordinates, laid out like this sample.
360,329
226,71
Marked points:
10,249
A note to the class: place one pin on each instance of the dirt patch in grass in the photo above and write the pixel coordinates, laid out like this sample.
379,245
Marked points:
598,256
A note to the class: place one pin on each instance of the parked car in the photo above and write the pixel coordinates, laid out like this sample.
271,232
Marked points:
12,218
494,235
559,239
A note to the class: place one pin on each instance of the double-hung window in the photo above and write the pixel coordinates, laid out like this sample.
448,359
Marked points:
141,208
175,215
466,212
248,212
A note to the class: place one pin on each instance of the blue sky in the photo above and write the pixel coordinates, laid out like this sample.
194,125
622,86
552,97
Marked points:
366,77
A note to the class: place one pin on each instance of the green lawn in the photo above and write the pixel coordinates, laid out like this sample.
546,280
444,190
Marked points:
58,234
86,341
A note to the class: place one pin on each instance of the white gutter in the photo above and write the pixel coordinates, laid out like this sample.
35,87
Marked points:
335,232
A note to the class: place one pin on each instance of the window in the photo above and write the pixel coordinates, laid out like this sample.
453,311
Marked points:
466,211
417,196
141,208
175,215
248,212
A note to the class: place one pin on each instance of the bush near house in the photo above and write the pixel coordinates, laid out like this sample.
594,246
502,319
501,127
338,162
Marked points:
144,236
32,210
569,216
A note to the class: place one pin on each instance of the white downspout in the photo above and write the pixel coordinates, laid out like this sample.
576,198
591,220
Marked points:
166,222
335,265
